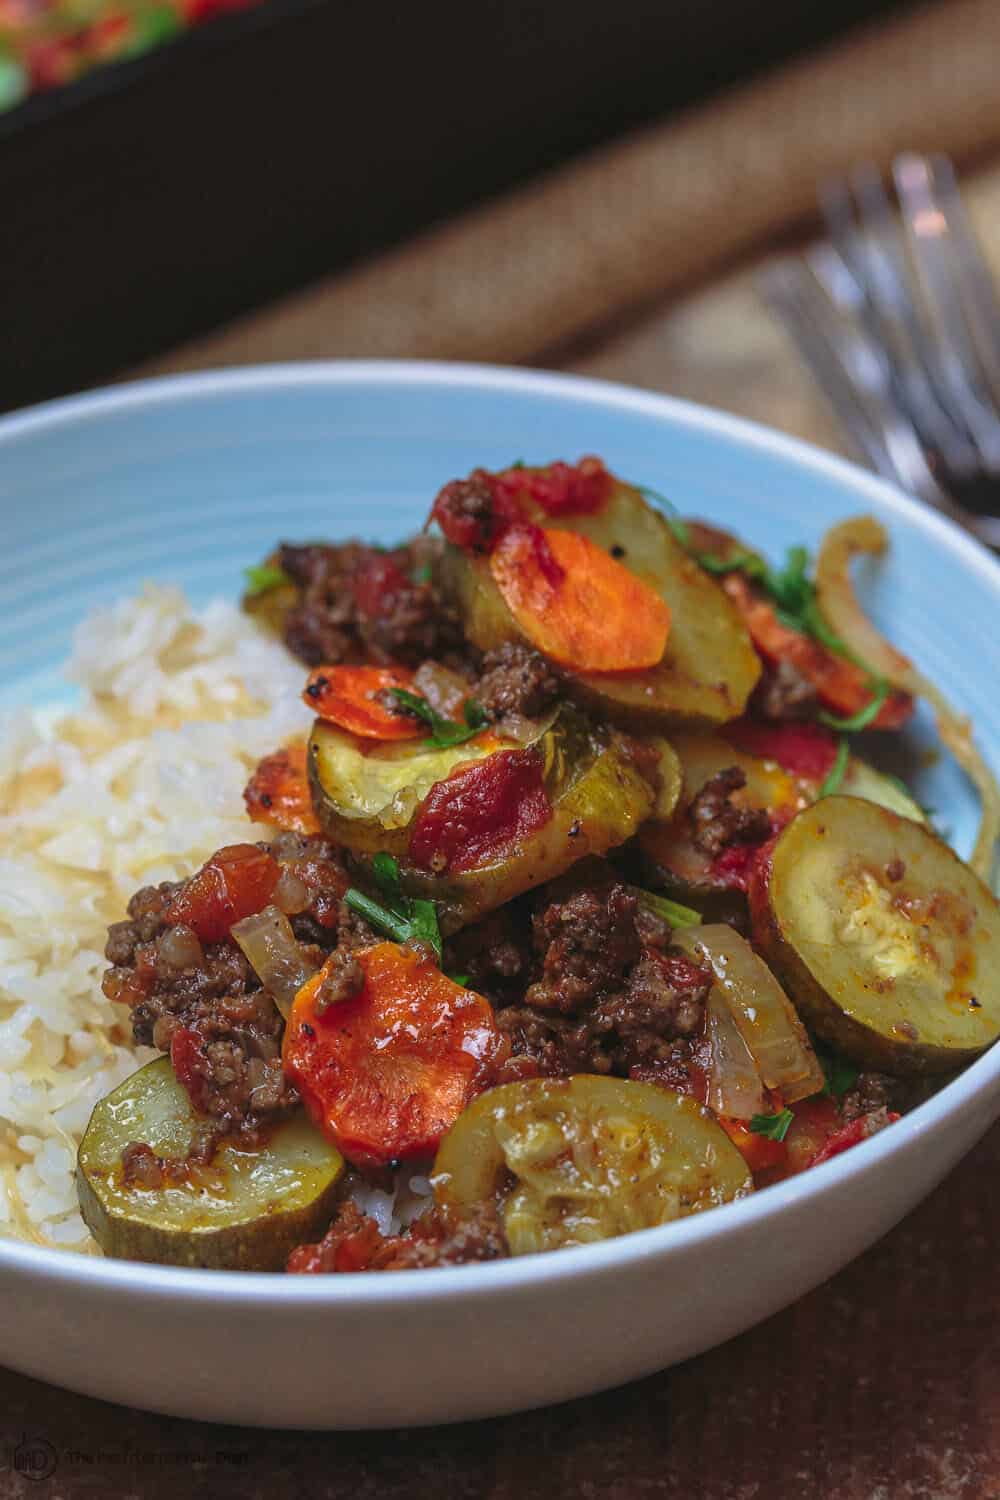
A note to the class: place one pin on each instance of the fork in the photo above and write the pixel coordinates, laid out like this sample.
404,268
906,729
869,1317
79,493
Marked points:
896,316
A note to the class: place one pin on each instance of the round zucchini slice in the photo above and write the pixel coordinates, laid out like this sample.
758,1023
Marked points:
888,944
245,1210
586,1158
709,667
862,780
597,794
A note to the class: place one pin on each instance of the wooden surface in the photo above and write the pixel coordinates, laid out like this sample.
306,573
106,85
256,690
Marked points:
883,1384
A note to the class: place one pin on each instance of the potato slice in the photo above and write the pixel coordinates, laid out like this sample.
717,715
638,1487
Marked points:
888,944
245,1210
598,794
709,667
590,1158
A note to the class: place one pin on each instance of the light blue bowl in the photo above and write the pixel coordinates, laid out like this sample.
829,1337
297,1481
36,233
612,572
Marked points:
189,480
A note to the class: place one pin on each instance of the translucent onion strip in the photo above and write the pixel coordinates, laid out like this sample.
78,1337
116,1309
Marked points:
840,607
763,1014
734,1083
272,951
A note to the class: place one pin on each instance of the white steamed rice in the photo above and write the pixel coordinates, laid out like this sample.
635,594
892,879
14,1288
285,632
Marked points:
138,785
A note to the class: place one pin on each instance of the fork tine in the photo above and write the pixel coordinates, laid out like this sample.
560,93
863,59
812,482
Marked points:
973,277
850,369
956,359
892,316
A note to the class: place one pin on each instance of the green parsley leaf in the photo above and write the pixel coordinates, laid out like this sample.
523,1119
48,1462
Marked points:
865,715
832,782
518,463
460,979
403,917
670,911
263,577
423,574
775,1127
671,513
444,732
839,1074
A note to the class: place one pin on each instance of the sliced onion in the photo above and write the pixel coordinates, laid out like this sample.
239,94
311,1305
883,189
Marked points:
270,948
444,689
840,607
763,1014
734,1083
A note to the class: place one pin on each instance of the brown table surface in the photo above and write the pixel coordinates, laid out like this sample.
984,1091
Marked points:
883,1384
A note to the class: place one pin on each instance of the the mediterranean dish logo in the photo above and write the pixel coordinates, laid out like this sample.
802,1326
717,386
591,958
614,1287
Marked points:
30,1457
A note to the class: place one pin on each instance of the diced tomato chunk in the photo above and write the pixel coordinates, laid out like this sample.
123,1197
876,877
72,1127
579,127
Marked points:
235,883
377,580
482,808
759,1152
801,748
560,489
190,1065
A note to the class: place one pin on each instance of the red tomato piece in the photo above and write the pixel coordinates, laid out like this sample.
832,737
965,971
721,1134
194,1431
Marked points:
560,489
385,1073
189,1064
760,1152
353,698
378,578
801,748
236,882
481,809
278,792
843,688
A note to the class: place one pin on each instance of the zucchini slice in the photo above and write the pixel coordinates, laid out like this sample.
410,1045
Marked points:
369,802
587,1158
709,667
246,1209
888,944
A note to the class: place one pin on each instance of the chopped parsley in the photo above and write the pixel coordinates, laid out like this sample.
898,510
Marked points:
839,1074
864,716
444,732
775,1127
670,911
460,979
834,778
422,575
263,577
403,918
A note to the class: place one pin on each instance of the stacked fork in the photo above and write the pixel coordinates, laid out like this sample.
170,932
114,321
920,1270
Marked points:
895,315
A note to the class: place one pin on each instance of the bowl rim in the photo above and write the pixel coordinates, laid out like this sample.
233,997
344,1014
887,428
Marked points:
66,1268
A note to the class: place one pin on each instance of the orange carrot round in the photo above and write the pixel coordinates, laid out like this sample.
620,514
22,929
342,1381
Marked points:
358,699
387,1071
278,792
576,603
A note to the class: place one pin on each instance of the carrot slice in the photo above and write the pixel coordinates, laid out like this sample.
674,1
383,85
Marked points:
841,685
278,792
385,1073
354,699
576,603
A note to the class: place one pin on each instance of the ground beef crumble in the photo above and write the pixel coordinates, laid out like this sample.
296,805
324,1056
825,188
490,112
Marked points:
517,680
716,823
783,693
608,994
440,1237
233,1030
360,604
